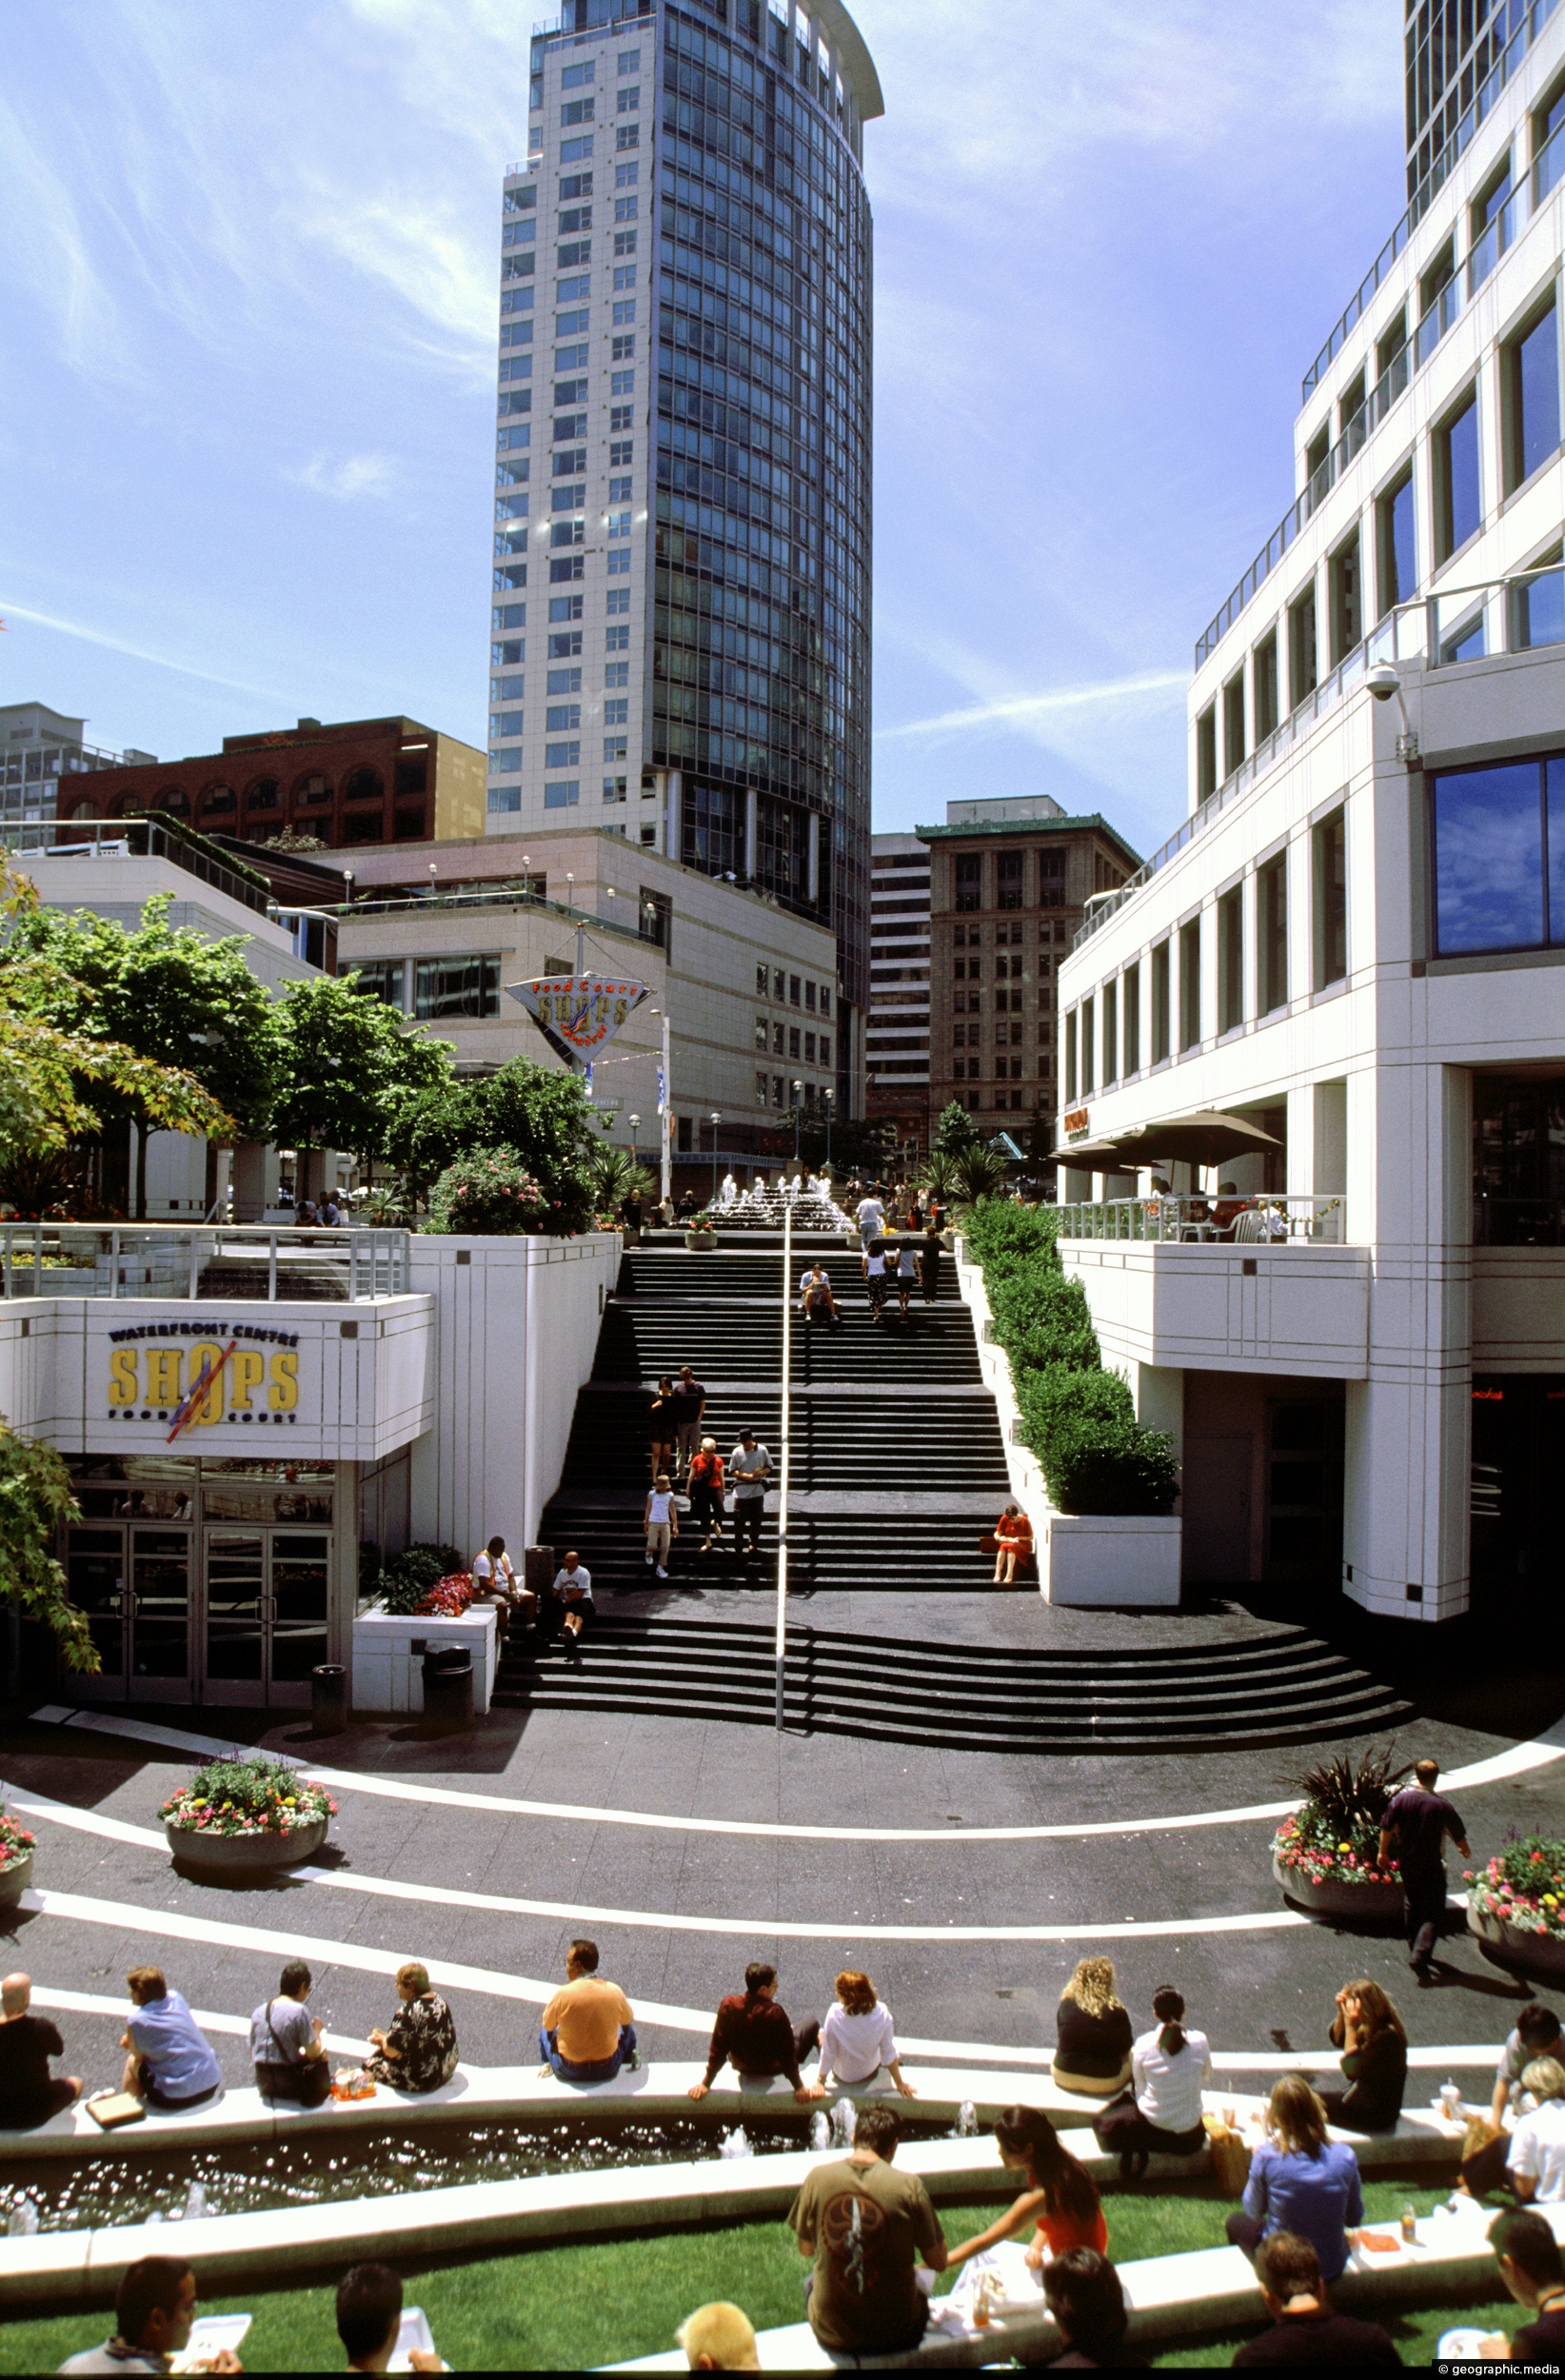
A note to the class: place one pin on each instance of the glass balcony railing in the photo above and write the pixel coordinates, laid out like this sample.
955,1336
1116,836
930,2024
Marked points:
1279,1218
214,1263
1510,615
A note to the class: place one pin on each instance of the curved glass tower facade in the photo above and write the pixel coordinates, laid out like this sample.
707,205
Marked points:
697,164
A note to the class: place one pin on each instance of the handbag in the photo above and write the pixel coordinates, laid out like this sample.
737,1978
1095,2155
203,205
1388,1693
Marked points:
1230,2157
314,2072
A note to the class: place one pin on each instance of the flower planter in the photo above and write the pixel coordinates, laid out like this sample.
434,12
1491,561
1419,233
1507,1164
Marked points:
205,1853
700,1239
16,1879
1543,1953
1333,1897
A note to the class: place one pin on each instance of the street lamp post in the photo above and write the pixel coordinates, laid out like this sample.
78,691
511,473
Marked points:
798,1115
716,1120
635,1127
830,1098
666,1118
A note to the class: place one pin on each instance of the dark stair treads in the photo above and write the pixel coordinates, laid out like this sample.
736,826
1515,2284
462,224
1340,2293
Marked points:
932,1552
751,1274
1289,1688
937,1439
736,1342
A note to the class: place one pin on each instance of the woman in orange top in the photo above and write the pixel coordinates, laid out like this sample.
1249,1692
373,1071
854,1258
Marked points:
1014,1531
1060,2204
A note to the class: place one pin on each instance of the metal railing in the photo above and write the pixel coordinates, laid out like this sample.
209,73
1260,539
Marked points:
1429,189
1517,614
212,1264
115,838
1269,1219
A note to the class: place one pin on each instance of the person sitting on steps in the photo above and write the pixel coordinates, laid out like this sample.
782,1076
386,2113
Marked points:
754,2036
1169,2069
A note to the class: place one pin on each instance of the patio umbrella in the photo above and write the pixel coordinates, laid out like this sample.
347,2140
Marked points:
1090,1157
1202,1138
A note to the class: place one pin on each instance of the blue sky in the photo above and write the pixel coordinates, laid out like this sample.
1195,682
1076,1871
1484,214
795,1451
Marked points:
249,279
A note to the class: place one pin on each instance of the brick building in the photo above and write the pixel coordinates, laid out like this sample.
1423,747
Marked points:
1007,892
355,781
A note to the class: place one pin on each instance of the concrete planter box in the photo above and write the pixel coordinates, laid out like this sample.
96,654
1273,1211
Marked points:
15,1879
1087,1559
244,1854
389,1652
1543,1953
1362,1904
701,1240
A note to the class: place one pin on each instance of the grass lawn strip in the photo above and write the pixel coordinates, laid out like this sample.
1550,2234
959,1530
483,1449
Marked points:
564,2309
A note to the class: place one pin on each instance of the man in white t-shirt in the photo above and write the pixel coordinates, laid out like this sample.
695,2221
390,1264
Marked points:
572,1590
1536,2165
496,1582
870,1219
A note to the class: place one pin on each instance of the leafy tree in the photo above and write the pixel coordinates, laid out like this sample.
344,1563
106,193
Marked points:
486,1191
348,1065
955,1132
36,1497
539,1115
78,1048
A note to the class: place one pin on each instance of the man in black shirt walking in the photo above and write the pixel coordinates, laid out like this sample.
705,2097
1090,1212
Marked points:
1413,1832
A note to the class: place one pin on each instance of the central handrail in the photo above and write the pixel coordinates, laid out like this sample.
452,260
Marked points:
782,1644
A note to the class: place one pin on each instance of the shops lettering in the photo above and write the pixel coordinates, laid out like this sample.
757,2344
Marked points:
149,1383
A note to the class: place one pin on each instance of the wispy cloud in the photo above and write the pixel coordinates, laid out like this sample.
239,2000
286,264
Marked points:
372,475
1023,708
136,653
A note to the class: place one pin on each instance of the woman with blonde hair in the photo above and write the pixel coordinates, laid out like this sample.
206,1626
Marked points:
1092,2033
858,2039
1300,2181
1369,2033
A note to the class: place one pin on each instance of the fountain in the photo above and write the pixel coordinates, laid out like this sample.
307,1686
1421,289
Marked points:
819,2130
966,2121
736,2144
842,2116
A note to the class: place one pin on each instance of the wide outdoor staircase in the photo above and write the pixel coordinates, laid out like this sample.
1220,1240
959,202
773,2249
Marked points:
898,1469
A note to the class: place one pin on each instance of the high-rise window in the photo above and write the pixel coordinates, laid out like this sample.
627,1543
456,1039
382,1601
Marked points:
1458,508
1190,984
1089,1053
1132,1027
1264,673
1231,960
1271,933
1499,856
1162,1015
1206,753
1331,900
1301,648
1232,724
1070,1057
1530,375
969,879
1009,875
1346,610
1111,1033
1395,546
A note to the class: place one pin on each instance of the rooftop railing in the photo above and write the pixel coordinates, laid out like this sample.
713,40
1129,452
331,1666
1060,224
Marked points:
116,838
1270,1219
214,1264
1505,615
1429,189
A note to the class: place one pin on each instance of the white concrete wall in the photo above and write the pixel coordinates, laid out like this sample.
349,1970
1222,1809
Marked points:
1518,1309
519,1321
1304,1308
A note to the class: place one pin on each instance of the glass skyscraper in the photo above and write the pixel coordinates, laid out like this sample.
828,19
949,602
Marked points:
682,465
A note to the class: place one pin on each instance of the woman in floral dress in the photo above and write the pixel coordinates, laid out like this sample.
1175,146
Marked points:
418,2050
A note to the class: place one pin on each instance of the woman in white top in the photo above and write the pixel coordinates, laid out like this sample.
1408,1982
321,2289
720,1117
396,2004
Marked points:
1169,2069
661,1522
856,2038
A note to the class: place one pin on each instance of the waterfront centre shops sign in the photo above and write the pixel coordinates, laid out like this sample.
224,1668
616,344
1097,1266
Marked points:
579,1015
191,1376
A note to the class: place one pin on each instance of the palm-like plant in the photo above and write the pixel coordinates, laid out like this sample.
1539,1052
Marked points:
939,1177
616,1177
976,1173
1352,1792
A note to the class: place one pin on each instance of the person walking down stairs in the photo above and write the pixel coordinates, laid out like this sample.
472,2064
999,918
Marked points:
750,1467
662,1521
706,1493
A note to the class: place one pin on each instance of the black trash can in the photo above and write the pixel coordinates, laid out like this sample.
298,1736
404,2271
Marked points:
447,1689
328,1699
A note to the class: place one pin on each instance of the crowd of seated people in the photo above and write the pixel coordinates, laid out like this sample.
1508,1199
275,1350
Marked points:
1299,2221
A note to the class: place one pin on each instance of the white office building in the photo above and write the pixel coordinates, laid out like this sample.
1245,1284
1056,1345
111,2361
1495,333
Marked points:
897,1043
1356,939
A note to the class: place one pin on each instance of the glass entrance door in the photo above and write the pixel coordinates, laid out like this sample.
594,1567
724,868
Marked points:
160,1614
95,1572
266,1613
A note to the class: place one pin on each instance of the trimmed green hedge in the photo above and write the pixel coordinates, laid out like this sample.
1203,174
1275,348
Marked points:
1076,1418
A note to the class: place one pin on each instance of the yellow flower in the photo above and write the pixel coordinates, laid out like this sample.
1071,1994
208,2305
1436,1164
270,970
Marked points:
1343,1849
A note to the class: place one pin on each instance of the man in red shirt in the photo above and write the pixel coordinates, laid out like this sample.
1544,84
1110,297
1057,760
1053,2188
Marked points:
754,2036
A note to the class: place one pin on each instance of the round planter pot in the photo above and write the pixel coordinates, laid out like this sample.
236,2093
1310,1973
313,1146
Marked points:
15,1879
700,1239
1543,1953
1367,1904
243,1854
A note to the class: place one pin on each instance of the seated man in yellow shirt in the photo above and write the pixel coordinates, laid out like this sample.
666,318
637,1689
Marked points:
589,2031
